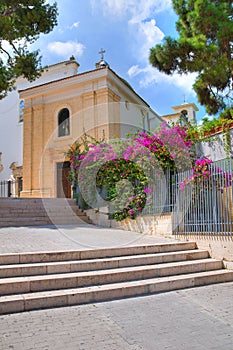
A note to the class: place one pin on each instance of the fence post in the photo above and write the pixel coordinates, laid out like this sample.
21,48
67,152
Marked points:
8,188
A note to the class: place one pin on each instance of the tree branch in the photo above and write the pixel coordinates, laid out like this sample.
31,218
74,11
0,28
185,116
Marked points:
8,12
1,48
14,47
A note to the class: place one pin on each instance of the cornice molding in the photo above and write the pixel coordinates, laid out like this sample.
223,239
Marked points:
80,84
70,82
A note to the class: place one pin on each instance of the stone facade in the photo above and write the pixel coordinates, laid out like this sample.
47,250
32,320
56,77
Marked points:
98,102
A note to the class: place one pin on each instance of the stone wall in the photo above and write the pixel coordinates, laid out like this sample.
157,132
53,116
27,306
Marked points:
219,246
144,224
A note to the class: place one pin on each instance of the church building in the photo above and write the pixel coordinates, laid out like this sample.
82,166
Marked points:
57,113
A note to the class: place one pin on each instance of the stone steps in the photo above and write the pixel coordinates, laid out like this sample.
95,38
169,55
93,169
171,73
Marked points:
45,268
31,281
40,212
77,296
16,285
56,256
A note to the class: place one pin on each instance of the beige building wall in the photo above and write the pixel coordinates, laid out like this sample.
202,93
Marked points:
94,102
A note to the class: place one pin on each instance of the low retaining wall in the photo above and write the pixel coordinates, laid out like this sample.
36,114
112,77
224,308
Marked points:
160,225
219,246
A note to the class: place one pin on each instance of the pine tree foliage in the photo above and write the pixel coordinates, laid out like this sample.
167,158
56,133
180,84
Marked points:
204,46
21,23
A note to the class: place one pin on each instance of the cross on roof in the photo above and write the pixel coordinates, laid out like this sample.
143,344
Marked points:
101,52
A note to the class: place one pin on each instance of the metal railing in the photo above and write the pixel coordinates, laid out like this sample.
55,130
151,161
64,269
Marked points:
11,188
205,206
198,206
162,198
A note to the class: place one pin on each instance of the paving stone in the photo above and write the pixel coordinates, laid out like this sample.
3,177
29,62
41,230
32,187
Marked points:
193,319
185,320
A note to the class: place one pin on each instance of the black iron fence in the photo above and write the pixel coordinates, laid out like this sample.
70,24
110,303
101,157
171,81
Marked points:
11,188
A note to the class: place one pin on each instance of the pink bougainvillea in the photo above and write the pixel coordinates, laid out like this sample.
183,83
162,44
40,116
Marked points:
200,172
133,159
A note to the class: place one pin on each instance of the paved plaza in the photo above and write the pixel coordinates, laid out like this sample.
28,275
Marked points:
192,319
69,237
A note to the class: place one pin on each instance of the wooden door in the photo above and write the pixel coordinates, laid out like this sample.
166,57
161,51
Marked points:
63,184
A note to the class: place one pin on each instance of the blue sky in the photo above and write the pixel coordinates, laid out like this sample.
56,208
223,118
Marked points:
126,29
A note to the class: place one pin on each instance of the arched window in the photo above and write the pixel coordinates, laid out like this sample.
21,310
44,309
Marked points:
63,122
184,113
183,117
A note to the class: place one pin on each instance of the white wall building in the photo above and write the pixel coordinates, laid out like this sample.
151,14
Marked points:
11,108
216,148
186,112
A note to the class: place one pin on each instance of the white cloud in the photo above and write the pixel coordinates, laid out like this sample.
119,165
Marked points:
144,9
141,24
142,28
152,76
113,7
148,35
74,25
136,10
151,31
134,71
66,49
144,34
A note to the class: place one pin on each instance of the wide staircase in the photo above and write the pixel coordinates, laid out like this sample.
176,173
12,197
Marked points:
40,212
30,281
